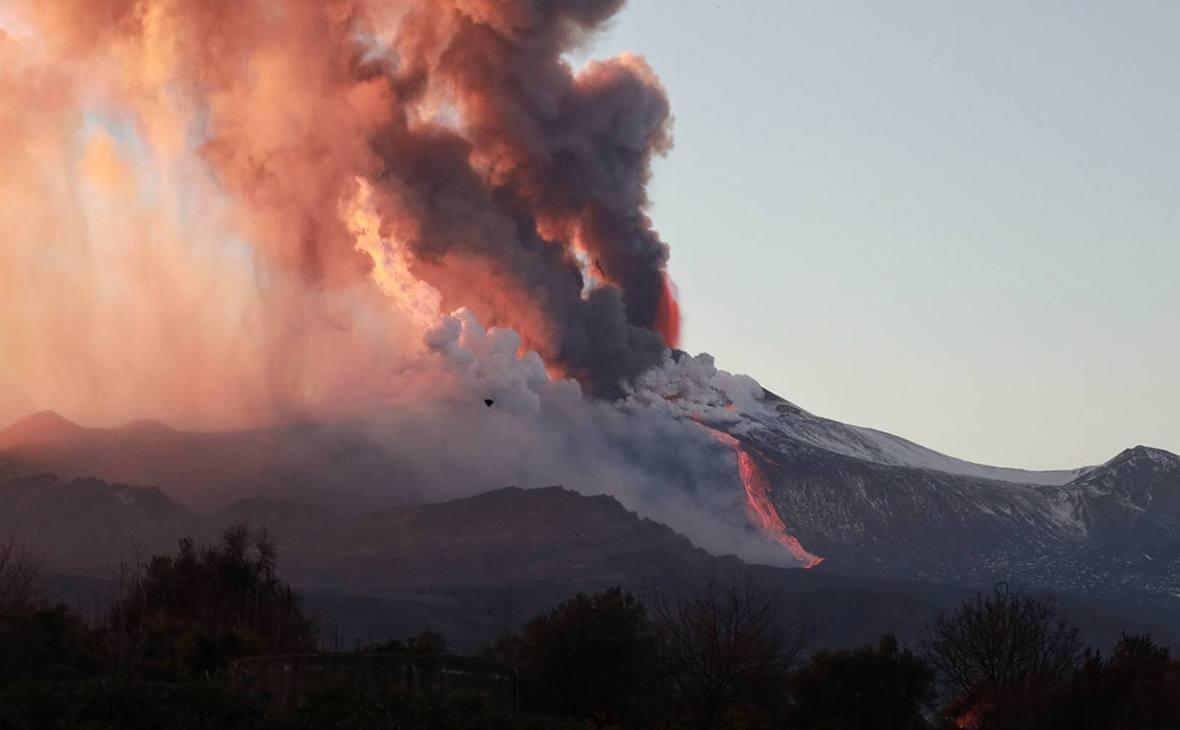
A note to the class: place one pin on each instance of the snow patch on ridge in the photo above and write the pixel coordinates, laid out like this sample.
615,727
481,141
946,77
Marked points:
693,387
883,448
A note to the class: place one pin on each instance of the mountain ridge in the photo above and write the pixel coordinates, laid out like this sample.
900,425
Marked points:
1102,531
464,568
870,503
884,448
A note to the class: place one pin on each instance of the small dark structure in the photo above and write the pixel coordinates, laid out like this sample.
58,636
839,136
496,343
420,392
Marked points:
286,679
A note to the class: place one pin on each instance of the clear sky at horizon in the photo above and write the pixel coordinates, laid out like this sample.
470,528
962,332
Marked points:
957,223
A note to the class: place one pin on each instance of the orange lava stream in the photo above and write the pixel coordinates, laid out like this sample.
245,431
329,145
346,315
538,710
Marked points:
758,503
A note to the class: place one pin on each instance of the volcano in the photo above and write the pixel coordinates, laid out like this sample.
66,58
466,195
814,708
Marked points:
868,503
876,504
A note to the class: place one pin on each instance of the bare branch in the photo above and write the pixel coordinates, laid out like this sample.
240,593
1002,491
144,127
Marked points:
19,569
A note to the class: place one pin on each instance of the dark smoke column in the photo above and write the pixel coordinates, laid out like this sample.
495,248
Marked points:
501,172
564,160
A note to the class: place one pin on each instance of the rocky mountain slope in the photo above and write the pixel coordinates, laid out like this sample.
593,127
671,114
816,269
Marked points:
87,526
871,503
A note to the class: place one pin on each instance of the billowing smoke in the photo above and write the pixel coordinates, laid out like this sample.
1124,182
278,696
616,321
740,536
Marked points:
539,430
492,163
235,213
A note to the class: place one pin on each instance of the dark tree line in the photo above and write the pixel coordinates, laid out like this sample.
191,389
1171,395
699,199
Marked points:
158,660
718,658
179,616
713,658
1008,661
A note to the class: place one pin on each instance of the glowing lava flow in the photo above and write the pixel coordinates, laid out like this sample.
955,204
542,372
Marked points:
759,505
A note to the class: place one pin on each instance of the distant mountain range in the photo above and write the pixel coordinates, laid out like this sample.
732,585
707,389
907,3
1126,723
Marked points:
905,531
207,471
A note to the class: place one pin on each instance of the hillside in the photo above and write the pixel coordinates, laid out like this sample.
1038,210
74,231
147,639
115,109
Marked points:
470,568
874,506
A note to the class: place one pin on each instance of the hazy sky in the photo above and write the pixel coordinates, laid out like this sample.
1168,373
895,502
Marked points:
956,222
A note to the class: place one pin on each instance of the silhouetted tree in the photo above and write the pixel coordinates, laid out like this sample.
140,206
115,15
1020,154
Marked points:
18,573
999,640
1000,651
724,655
878,687
590,658
190,614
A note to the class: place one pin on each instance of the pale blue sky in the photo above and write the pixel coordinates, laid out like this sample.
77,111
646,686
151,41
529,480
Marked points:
956,222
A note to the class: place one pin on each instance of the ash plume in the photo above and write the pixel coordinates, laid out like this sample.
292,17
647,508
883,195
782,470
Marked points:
492,163
235,214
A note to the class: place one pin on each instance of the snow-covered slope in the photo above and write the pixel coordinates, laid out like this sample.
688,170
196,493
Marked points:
879,447
872,503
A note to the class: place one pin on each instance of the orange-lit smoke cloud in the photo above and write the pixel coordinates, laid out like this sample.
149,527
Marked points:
126,285
198,197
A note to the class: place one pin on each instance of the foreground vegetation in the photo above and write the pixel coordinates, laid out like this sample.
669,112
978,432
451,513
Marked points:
714,658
